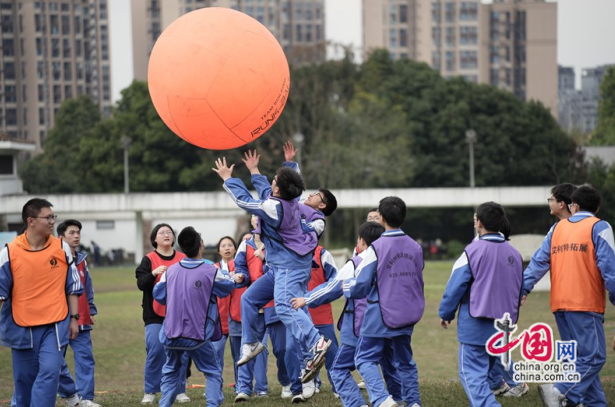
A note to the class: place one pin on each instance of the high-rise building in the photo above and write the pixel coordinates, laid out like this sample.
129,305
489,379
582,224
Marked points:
578,109
511,44
51,51
299,26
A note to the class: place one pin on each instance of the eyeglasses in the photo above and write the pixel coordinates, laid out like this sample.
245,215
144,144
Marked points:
165,232
550,199
50,218
322,198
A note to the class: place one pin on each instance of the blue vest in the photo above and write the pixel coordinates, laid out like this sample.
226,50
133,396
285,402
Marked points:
497,274
399,280
354,307
189,297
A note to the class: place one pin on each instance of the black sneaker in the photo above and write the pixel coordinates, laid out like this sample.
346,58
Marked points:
298,398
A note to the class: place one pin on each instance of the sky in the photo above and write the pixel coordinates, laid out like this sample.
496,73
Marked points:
585,33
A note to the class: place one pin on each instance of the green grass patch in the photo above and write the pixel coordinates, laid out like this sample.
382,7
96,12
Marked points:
119,348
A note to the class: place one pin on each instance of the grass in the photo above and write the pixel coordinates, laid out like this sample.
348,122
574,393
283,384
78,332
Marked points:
120,352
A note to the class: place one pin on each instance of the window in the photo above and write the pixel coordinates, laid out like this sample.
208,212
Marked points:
66,48
7,23
57,94
68,72
468,59
68,91
10,93
403,13
11,117
54,24
468,35
393,38
65,24
403,37
55,47
450,12
40,70
450,61
436,37
105,224
435,60
450,36
8,47
6,163
56,70
494,55
9,70
435,12
468,11
298,33
392,14
41,93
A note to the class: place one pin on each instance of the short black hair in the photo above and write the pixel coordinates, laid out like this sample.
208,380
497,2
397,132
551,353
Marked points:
370,231
588,198
220,242
563,192
493,217
370,211
152,236
64,225
290,182
33,207
393,210
189,241
329,200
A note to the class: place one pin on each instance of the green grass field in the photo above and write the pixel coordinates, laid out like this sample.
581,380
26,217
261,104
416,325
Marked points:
120,352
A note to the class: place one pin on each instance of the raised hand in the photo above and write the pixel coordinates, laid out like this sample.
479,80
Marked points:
225,172
251,159
289,151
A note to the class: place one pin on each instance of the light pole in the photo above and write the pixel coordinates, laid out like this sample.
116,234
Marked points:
298,138
471,139
125,141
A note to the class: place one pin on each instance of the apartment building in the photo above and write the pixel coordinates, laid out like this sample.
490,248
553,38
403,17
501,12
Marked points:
299,25
50,51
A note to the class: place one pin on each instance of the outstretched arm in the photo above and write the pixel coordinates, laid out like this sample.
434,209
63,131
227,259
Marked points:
289,151
224,171
251,160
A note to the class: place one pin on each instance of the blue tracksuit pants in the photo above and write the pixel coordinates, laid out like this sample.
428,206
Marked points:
155,359
586,328
219,347
474,366
173,372
328,331
84,369
280,285
277,333
370,351
36,371
346,387
256,369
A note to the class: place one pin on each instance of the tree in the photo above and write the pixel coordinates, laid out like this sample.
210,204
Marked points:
605,130
57,170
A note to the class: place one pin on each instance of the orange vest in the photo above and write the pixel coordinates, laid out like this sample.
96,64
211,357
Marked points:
231,304
255,268
323,314
576,282
39,282
158,261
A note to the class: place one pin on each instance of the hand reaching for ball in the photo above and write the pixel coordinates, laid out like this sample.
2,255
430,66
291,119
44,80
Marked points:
225,172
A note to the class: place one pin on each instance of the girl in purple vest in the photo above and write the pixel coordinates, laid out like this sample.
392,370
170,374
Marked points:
485,284
391,278
189,290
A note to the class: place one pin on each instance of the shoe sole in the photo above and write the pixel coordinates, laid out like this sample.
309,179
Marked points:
297,401
312,373
255,352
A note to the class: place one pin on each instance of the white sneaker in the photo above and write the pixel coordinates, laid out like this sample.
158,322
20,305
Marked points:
241,397
72,401
286,393
550,395
519,390
148,398
361,385
298,398
88,403
249,352
309,389
337,396
415,405
182,398
389,402
501,390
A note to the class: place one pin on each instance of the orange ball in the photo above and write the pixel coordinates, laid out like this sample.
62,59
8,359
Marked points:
218,78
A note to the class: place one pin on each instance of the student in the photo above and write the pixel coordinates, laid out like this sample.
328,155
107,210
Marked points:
38,314
391,277
579,253
83,385
289,256
559,201
148,273
485,284
189,289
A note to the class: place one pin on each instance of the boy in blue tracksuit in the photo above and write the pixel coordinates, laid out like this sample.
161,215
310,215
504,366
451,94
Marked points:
485,284
289,249
391,277
39,289
83,385
189,290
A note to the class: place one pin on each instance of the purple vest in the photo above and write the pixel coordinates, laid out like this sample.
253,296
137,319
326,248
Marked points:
400,280
358,307
189,292
497,272
290,230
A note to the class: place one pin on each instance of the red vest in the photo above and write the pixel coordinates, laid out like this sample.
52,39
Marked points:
230,305
255,268
84,306
39,282
322,315
157,261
